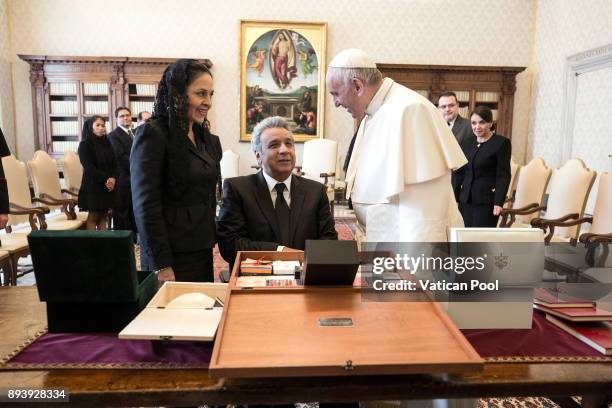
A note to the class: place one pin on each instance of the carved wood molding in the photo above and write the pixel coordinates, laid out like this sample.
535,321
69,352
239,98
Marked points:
48,59
440,78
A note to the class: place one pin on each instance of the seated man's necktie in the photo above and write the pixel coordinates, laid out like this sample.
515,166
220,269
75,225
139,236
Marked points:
283,214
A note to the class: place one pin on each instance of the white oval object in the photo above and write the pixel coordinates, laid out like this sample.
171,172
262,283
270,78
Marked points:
191,300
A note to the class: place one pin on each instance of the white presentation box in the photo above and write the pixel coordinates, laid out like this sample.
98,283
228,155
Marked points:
158,322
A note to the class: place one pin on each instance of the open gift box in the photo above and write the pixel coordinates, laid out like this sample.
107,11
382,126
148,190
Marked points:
184,322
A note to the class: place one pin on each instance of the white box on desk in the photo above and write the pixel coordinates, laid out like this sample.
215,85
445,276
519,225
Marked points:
156,322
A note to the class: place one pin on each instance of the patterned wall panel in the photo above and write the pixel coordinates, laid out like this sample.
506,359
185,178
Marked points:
563,28
6,89
592,129
454,32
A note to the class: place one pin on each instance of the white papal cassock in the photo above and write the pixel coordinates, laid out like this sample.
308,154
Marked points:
399,176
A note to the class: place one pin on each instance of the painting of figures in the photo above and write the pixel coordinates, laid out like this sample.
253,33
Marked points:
282,74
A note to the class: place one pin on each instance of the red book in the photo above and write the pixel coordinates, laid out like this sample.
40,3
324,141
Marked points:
556,298
597,335
578,314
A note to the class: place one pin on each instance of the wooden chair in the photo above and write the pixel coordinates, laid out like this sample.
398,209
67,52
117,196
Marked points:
530,188
47,187
600,233
5,264
514,170
73,171
16,245
24,216
569,191
230,164
319,164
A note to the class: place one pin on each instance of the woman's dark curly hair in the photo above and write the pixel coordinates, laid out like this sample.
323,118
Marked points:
171,108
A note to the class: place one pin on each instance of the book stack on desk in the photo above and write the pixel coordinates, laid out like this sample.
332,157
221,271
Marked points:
578,317
255,267
266,281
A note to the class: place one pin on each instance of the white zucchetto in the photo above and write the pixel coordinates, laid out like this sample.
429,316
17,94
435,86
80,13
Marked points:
352,58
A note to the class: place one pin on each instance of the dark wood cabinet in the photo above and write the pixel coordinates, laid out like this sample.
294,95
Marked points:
68,90
474,86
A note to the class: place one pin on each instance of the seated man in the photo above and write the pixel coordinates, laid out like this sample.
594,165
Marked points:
272,209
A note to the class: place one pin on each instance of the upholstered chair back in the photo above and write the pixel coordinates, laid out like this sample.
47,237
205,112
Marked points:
73,171
230,163
18,187
568,193
531,186
514,169
320,156
496,235
602,212
45,177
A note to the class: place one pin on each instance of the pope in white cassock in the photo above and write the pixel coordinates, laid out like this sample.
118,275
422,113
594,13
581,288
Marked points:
399,174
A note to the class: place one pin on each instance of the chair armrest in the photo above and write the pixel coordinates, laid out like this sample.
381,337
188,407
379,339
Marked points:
327,176
16,209
588,237
558,222
38,212
513,212
67,204
550,225
70,192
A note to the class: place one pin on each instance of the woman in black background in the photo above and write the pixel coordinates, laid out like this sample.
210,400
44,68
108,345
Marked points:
481,185
175,168
97,192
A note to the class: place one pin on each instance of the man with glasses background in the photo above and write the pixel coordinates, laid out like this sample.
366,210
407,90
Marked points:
448,105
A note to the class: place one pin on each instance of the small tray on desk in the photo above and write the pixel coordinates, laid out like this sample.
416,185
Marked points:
331,332
267,255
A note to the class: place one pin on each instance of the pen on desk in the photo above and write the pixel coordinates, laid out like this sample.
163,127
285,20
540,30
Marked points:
218,299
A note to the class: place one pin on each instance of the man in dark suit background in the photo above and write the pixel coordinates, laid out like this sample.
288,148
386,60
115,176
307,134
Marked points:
448,105
258,213
121,139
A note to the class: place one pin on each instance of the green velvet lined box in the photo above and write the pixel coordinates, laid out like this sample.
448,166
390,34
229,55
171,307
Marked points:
89,279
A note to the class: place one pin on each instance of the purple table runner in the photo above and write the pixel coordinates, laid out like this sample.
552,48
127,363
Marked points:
544,342
107,349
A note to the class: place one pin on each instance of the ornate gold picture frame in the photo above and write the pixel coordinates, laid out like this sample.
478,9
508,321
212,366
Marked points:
282,73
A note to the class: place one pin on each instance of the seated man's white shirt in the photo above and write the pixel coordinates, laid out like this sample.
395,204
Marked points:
406,151
271,182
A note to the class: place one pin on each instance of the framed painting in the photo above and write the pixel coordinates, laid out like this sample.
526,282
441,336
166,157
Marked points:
282,73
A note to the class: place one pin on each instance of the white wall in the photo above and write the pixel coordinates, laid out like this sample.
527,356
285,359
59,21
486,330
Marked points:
564,28
454,32
6,85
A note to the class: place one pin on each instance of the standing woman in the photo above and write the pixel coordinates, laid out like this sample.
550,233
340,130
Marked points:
174,167
97,192
481,185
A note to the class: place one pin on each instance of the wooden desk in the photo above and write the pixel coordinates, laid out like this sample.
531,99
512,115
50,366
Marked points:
21,315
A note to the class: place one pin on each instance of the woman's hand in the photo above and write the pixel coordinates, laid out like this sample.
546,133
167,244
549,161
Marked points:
497,210
164,275
110,183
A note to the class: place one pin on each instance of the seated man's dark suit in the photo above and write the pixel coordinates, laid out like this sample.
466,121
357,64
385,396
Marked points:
247,219
123,215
